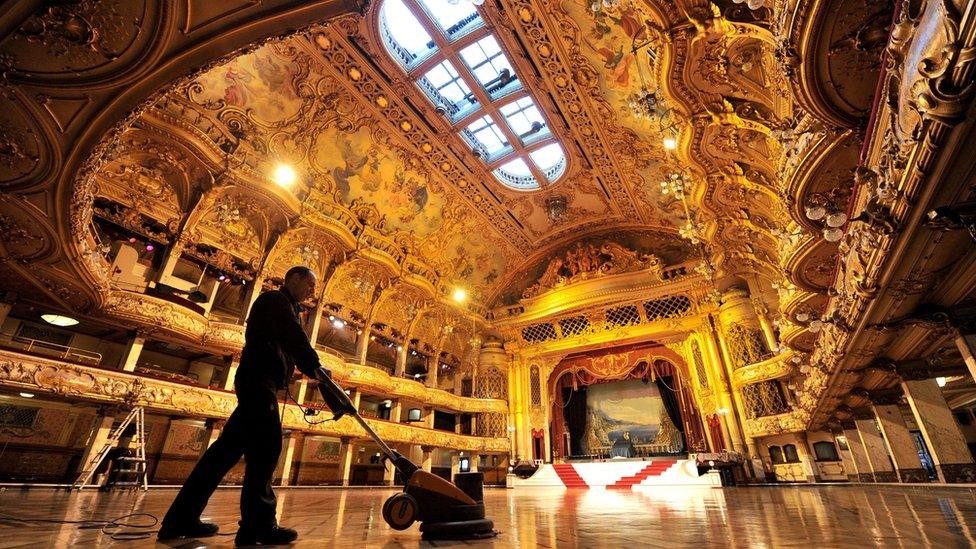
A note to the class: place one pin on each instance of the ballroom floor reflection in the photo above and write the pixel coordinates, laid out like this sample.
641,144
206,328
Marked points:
818,516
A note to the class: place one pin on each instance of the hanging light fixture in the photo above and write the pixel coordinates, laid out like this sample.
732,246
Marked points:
753,4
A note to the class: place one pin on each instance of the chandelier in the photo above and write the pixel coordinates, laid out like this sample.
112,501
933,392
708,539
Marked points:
676,184
649,104
824,212
753,4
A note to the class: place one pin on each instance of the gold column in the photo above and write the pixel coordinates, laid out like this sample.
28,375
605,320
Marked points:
346,449
427,458
900,443
293,440
131,357
212,432
949,451
967,347
874,449
232,362
862,470
728,398
101,430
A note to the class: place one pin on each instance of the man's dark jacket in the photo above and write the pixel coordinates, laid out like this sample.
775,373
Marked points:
275,342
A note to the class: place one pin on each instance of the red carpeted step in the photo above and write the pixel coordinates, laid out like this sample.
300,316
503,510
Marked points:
654,469
567,473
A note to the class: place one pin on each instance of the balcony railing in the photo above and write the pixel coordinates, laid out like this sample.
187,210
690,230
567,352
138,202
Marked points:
46,348
96,384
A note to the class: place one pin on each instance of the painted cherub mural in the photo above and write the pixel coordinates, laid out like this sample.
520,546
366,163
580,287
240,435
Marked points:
409,196
259,75
613,37
364,168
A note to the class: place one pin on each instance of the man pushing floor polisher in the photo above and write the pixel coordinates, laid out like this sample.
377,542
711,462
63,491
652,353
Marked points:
444,510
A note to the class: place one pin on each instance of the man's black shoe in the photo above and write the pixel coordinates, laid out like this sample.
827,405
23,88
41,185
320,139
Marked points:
198,529
275,535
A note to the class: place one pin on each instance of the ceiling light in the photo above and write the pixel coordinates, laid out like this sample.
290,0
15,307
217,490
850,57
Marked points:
670,143
339,323
150,247
399,348
723,411
460,295
59,320
815,212
31,395
284,175
833,235
836,219
940,380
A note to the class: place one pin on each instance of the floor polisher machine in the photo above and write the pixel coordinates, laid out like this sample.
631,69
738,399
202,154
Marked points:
444,510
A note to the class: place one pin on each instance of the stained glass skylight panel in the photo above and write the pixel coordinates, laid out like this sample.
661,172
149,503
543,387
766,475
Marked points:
490,66
454,19
487,135
406,36
525,119
444,85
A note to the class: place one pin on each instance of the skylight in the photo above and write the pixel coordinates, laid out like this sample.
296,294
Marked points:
454,19
490,66
487,134
472,82
445,87
525,119
408,38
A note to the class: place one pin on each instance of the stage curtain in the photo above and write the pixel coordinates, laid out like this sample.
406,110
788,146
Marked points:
575,416
665,384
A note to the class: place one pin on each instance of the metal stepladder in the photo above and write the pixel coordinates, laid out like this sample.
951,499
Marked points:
133,469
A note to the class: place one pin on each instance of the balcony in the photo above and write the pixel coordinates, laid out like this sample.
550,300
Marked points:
774,367
40,375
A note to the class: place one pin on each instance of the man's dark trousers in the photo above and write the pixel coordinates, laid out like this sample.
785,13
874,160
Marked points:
252,431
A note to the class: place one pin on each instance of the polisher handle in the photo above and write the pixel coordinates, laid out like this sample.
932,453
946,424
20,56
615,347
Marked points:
335,398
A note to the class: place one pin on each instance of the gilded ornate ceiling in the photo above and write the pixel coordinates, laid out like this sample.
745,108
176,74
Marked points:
169,120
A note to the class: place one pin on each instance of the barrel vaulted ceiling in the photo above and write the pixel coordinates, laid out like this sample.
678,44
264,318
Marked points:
183,112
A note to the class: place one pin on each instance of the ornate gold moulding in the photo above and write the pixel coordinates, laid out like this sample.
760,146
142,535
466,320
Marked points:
794,421
157,316
21,372
602,291
772,368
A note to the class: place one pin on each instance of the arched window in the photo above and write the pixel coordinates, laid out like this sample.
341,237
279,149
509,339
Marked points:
825,451
789,453
455,59
776,454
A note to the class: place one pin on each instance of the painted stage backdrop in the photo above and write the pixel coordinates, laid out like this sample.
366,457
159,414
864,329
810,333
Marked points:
623,415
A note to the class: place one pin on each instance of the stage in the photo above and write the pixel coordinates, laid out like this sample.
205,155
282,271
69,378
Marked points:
808,516
619,474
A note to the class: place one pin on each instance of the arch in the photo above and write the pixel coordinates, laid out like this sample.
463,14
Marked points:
355,284
639,362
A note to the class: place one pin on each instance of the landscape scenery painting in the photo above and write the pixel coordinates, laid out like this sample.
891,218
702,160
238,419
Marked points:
622,410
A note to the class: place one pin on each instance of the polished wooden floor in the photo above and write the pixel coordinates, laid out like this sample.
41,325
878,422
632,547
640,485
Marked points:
822,516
